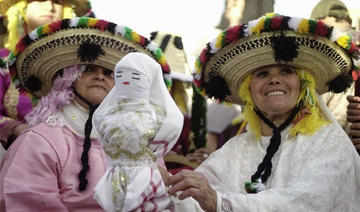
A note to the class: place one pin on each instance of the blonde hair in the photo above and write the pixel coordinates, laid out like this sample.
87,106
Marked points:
16,19
309,118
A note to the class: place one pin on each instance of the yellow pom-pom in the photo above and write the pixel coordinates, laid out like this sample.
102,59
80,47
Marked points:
162,60
135,37
218,43
270,15
304,26
344,41
259,26
92,22
198,67
46,29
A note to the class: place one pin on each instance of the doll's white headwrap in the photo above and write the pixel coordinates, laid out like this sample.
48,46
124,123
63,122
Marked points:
138,81
157,94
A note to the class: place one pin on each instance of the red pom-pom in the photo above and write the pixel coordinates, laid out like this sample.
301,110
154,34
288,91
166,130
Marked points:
197,83
20,46
101,24
55,25
321,29
276,23
142,40
165,68
353,47
204,56
232,34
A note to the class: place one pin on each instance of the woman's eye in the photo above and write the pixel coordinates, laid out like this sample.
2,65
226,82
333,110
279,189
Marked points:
89,69
108,72
261,74
286,71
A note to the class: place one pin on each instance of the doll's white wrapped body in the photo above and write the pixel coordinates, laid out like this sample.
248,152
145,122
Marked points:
137,123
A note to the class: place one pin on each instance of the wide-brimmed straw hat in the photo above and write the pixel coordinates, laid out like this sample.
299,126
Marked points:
173,49
275,39
81,7
46,50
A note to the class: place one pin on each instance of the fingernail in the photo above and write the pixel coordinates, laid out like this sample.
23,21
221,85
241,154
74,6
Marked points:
168,189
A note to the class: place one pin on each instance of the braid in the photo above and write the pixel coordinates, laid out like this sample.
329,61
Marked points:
275,141
85,155
87,144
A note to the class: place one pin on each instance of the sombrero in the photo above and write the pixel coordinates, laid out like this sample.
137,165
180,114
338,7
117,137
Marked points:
275,39
81,7
173,49
46,50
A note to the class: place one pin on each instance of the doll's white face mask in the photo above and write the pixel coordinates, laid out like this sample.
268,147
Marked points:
132,83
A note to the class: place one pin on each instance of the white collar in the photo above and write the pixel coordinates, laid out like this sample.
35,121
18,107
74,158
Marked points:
74,117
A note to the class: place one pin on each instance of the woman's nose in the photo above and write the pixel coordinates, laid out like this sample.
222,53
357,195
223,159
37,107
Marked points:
274,79
50,5
99,74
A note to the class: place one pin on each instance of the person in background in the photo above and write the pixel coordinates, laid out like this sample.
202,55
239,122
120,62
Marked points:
336,14
242,11
224,119
55,164
353,111
293,155
22,17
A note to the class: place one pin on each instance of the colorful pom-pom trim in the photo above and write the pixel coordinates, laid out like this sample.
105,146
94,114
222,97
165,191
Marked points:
274,22
87,22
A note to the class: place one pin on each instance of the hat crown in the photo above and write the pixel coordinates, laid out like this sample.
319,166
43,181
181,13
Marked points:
326,8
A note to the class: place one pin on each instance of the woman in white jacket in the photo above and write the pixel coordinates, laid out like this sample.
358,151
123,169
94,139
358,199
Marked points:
292,155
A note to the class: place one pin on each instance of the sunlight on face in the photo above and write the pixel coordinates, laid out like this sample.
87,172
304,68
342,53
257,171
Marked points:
275,89
39,13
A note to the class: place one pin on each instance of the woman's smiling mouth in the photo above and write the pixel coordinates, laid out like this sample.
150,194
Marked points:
275,93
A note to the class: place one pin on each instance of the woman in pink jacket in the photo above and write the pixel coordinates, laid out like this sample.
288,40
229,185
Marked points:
56,163
23,16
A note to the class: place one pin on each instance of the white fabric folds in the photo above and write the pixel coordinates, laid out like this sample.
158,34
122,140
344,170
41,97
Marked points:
137,123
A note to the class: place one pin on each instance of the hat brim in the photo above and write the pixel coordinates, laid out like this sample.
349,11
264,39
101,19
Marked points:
321,57
44,58
38,57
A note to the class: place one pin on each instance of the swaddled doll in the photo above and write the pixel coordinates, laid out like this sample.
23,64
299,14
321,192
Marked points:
137,123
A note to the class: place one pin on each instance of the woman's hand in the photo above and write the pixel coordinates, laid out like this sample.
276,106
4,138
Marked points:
193,184
18,129
353,116
164,173
199,155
